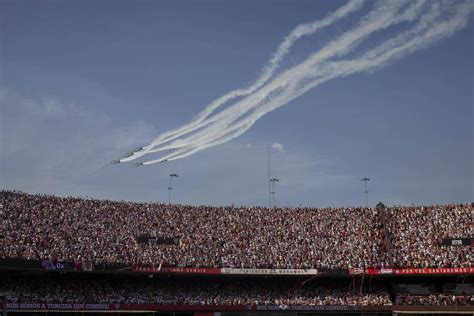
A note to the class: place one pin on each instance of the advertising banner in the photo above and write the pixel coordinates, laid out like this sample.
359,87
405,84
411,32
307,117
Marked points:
60,306
227,271
457,242
270,271
217,308
412,271
115,307
61,265
152,241
301,307
177,270
434,271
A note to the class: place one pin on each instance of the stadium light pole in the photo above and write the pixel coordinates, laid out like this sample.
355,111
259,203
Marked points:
269,188
273,189
170,188
366,191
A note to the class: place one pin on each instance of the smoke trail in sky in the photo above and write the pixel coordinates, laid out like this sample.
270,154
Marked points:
384,15
267,72
381,17
428,23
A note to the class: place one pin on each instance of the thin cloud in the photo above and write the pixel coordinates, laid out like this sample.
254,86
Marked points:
49,141
278,147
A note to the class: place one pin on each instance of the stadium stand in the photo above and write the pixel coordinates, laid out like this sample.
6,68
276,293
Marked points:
106,232
178,291
70,255
418,231
196,291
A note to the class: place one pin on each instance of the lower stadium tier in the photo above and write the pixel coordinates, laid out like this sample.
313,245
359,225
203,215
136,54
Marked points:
76,290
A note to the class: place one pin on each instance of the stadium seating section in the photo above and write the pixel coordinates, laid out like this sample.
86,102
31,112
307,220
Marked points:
58,288
103,231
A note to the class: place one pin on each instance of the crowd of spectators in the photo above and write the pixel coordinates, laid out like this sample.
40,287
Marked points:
417,233
48,227
436,299
104,231
188,292
106,289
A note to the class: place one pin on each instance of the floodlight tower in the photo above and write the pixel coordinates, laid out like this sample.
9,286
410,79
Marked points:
170,188
273,189
366,191
269,180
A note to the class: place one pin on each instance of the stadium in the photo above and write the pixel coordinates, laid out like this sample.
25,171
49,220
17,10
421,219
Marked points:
214,158
99,256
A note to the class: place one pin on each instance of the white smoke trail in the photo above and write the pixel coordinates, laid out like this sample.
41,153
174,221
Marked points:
187,151
230,133
383,16
175,154
268,71
345,69
370,23
441,20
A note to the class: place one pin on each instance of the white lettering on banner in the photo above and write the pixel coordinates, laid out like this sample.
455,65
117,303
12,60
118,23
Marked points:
301,307
97,306
59,306
434,271
270,271
56,306
28,305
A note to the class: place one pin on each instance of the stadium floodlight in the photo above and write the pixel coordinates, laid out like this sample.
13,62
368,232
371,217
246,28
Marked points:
269,188
273,189
170,188
270,181
366,191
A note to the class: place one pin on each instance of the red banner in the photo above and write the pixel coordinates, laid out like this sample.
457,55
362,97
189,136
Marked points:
434,271
201,271
412,271
177,270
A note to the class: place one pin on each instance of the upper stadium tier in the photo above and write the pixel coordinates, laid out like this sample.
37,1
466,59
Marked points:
115,232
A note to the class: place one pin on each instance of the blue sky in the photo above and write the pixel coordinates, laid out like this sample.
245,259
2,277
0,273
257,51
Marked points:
83,82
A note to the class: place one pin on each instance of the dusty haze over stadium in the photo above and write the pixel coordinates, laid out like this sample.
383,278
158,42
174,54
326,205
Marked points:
341,89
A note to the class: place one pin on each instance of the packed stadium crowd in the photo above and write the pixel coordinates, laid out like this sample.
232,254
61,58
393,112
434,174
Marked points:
104,231
436,299
187,292
417,233
198,291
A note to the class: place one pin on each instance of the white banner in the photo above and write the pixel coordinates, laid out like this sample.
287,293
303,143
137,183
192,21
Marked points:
270,271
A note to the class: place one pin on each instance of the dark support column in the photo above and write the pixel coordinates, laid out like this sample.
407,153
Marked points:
388,237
